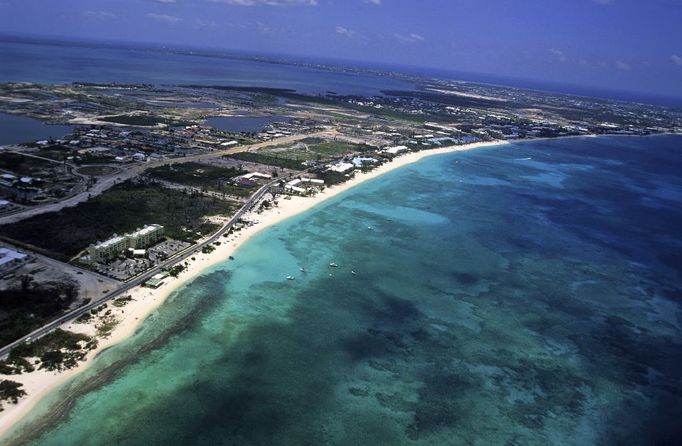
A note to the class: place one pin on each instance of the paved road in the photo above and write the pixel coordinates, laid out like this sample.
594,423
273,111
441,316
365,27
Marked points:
97,189
139,279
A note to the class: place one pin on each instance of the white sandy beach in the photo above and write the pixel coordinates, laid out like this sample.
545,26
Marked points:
40,382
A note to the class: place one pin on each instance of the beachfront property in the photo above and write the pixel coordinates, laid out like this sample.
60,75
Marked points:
157,280
10,259
341,167
118,244
302,185
395,150
359,161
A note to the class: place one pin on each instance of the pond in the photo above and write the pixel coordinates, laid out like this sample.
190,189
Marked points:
19,129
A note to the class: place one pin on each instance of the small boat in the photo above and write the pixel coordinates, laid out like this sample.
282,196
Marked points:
301,269
333,265
231,258
370,228
353,273
290,277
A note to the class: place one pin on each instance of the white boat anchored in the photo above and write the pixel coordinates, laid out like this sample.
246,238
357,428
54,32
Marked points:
333,265
290,277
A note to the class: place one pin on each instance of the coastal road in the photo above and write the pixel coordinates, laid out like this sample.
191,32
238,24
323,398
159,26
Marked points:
4,351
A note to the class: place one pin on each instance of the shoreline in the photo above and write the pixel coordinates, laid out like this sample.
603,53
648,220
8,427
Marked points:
41,383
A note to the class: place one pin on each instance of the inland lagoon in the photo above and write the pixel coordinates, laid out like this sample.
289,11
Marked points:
526,294
16,129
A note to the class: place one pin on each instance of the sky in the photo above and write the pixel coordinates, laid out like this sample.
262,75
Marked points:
629,45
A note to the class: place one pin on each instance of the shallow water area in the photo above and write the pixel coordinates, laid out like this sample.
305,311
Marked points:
473,302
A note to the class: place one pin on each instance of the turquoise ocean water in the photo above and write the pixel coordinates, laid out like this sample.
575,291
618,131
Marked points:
519,295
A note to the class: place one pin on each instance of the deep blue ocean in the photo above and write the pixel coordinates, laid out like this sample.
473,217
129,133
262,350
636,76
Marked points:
526,294
41,62
54,62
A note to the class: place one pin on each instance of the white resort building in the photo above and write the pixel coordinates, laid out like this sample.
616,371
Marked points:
396,149
300,185
111,248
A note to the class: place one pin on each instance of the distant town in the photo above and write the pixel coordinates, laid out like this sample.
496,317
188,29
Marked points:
146,176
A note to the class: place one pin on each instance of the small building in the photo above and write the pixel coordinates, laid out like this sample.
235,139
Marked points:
294,189
252,175
245,182
157,280
10,259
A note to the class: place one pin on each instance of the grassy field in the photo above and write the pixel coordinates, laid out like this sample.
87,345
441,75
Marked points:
317,149
121,209
269,159
202,176
309,149
23,165
97,170
56,152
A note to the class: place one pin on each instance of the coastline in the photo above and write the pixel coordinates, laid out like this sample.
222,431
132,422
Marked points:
40,383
